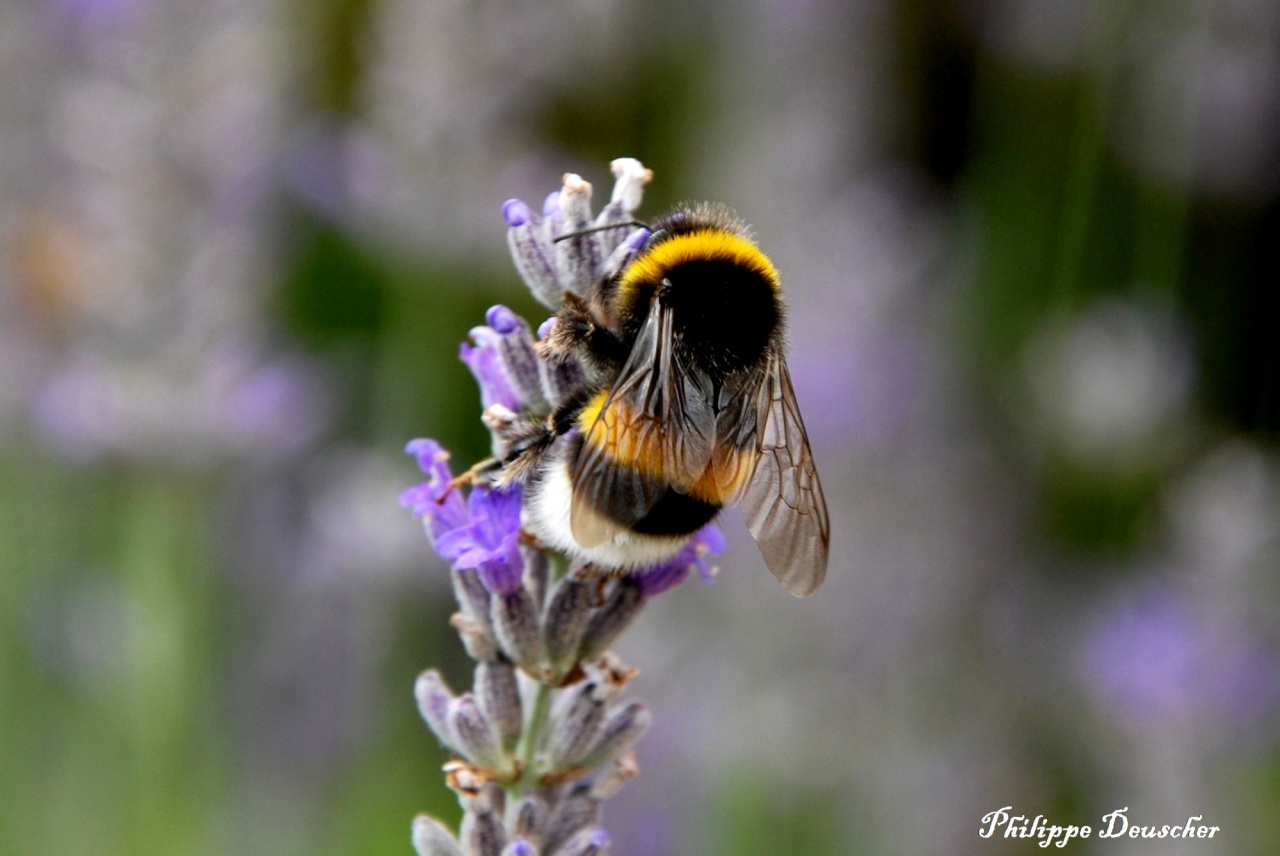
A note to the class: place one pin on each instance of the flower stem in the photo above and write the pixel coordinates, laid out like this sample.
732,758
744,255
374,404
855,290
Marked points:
535,722
527,749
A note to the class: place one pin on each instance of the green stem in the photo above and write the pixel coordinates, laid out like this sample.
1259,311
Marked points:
527,749
536,721
559,567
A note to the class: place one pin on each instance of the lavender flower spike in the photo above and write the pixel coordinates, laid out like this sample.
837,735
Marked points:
544,736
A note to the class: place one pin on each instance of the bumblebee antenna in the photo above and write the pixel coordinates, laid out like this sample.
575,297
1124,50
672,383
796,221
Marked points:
587,231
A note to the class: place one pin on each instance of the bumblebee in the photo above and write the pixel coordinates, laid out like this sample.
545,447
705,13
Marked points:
687,407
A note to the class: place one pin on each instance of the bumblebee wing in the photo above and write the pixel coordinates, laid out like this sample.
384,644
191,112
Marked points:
782,502
734,458
654,429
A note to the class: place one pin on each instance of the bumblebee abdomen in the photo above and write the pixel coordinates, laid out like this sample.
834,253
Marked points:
676,514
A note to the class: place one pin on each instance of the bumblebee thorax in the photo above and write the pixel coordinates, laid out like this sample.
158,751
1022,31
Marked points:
723,293
725,315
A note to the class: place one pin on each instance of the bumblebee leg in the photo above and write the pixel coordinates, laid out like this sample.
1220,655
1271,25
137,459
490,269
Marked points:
566,414
487,472
578,334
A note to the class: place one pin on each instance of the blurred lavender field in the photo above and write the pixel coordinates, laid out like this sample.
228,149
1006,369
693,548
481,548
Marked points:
1029,249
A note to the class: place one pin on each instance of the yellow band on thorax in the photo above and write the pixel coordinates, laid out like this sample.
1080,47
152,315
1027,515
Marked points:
703,245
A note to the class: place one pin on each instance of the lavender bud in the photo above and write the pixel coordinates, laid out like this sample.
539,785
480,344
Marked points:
430,838
577,256
482,833
516,356
551,205
622,604
537,570
560,376
516,213
499,694
473,735
472,596
619,773
588,842
531,816
565,622
621,729
577,729
478,642
434,701
628,190
515,619
631,177
483,357
533,254
579,811
552,221
489,797
609,674
625,249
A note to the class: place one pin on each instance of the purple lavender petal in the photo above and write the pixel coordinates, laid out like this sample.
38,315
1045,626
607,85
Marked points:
666,576
516,213
495,514
489,544
502,572
429,454
709,540
417,499
459,547
486,367
440,506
